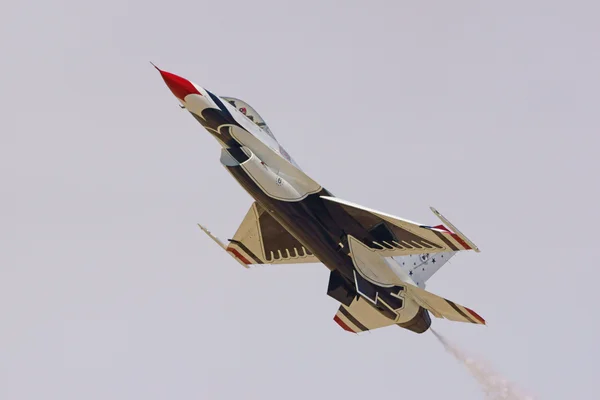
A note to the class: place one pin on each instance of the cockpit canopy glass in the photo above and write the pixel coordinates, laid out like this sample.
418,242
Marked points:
250,113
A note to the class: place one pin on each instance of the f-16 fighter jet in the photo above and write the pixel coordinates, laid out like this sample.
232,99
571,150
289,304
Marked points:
378,263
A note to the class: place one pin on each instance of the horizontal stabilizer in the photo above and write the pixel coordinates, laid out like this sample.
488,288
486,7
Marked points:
374,275
443,308
360,316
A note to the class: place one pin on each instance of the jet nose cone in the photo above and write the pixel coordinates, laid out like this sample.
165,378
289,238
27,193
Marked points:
180,87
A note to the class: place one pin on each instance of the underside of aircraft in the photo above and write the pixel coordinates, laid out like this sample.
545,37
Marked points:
378,263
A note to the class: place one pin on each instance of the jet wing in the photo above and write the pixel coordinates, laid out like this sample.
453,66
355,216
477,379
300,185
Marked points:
260,239
400,237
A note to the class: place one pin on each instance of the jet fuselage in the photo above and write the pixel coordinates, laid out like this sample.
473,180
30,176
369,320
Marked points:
266,171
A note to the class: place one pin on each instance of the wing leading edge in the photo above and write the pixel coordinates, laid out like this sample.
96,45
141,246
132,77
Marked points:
401,237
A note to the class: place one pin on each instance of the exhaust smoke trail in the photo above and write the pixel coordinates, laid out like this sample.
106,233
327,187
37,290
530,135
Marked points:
494,385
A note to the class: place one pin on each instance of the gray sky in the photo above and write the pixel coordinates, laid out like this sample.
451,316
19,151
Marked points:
108,289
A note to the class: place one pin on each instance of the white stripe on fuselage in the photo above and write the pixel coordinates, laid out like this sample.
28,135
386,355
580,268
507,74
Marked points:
251,127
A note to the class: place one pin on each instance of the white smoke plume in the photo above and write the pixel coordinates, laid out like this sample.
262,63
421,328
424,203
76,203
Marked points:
495,386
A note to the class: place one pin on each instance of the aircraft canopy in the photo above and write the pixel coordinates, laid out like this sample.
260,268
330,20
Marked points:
249,112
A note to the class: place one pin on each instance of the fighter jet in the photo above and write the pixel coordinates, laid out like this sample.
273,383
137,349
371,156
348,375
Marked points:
378,262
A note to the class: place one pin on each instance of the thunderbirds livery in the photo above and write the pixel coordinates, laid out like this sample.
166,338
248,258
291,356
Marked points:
378,263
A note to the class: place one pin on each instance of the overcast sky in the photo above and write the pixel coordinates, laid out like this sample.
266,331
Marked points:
487,111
